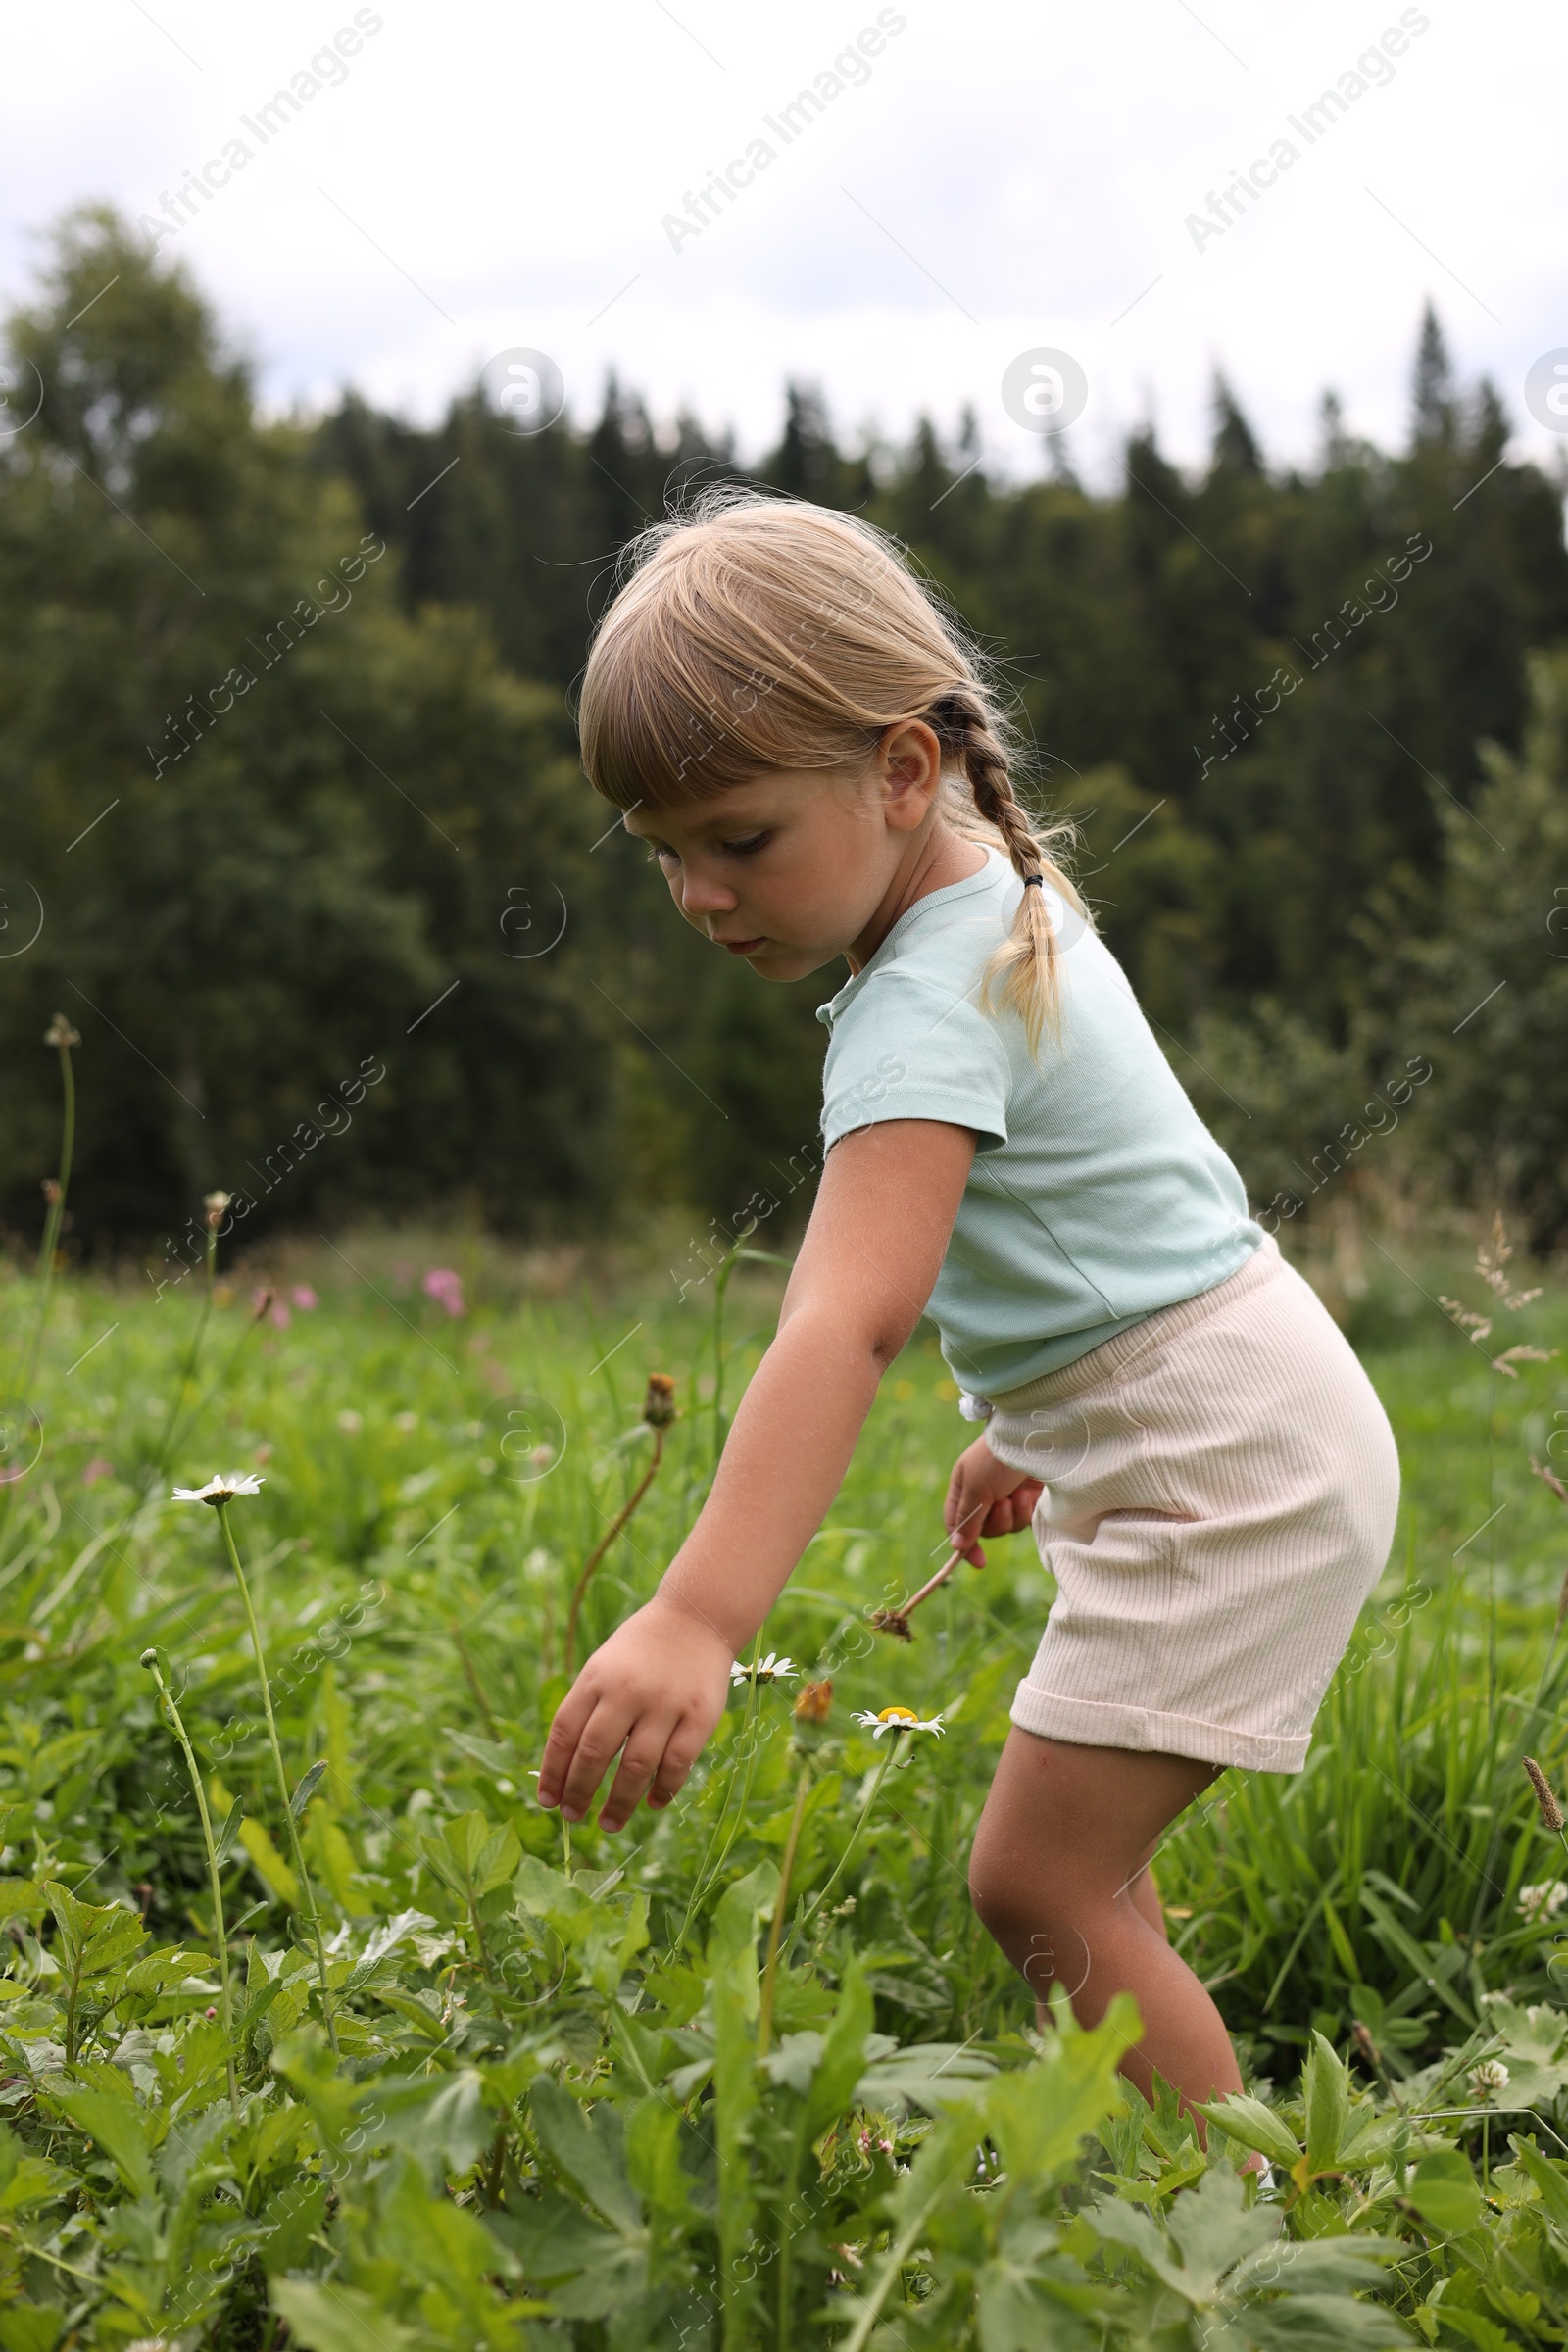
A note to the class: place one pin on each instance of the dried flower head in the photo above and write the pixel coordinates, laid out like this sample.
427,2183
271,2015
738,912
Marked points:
214,1205
61,1033
658,1403
52,1193
814,1702
1551,1810
1366,2045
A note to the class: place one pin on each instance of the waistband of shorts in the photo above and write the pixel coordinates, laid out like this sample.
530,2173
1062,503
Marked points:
1113,1357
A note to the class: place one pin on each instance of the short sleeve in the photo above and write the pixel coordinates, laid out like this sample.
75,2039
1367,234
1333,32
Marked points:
903,1050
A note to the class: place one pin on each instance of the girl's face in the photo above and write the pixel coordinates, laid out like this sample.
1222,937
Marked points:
798,868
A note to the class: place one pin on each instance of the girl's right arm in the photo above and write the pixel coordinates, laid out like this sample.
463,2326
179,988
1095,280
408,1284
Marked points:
883,1212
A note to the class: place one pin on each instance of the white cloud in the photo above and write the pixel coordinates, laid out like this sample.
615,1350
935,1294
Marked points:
494,177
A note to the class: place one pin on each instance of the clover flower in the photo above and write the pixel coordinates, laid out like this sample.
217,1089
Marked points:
220,1488
445,1286
899,1719
1543,1902
1491,2074
771,1669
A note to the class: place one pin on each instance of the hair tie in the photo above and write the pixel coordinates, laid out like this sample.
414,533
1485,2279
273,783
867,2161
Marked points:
1038,881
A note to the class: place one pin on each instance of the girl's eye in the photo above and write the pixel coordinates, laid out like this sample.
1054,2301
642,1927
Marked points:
656,853
749,847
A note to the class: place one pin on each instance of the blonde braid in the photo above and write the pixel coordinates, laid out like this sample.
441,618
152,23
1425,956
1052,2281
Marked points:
1024,967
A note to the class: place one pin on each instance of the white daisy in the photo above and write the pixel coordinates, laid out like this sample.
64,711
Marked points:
771,1669
899,1719
220,1488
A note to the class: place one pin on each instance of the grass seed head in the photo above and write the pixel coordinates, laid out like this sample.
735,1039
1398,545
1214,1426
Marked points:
1551,1810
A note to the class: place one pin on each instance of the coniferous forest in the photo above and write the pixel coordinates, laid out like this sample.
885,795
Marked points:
294,826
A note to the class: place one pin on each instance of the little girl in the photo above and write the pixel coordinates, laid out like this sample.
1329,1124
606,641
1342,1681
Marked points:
806,742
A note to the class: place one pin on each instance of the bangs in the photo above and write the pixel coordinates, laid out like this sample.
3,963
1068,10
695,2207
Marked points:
729,655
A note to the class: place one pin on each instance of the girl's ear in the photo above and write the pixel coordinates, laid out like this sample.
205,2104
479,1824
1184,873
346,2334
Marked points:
909,767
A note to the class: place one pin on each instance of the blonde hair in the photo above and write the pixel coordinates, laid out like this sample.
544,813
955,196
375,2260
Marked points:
753,634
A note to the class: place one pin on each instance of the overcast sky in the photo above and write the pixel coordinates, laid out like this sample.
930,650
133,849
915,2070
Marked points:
996,178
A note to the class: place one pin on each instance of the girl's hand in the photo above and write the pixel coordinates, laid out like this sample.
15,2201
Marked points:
654,1690
985,1497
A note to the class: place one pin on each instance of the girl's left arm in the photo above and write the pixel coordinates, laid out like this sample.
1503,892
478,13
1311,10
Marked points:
884,1210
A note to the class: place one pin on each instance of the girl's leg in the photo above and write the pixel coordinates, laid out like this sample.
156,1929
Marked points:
1059,1877
1143,1893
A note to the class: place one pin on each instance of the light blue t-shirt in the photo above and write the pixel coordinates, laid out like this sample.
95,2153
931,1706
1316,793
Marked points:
1097,1193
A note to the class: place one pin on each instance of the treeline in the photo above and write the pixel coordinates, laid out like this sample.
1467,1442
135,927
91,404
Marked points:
287,767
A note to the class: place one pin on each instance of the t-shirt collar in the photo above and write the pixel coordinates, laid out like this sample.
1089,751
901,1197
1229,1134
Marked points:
985,877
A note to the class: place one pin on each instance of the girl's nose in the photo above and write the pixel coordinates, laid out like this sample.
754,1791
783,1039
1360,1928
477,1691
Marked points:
704,894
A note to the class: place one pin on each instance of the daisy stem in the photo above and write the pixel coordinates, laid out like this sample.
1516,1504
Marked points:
704,1877
765,2020
306,1895
220,1931
809,1914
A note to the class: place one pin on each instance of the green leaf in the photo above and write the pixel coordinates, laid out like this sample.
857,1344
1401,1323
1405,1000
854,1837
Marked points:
1040,2116
926,2074
22,1898
843,2058
590,2149
30,2327
741,1910
230,1833
735,2094
1445,2194
113,2121
653,2159
1326,2096
307,1790
1477,2329
323,2318
472,1855
548,1895
440,2121
1254,2126
484,1752
554,2240
1551,2178
93,1940
268,1864
1325,2324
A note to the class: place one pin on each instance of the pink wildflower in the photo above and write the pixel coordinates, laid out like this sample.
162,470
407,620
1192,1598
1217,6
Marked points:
446,1287
303,1297
96,1469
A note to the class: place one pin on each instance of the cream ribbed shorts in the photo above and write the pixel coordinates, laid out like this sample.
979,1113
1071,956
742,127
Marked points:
1221,1488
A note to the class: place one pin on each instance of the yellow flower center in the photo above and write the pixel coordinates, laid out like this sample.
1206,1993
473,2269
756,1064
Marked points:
897,1715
